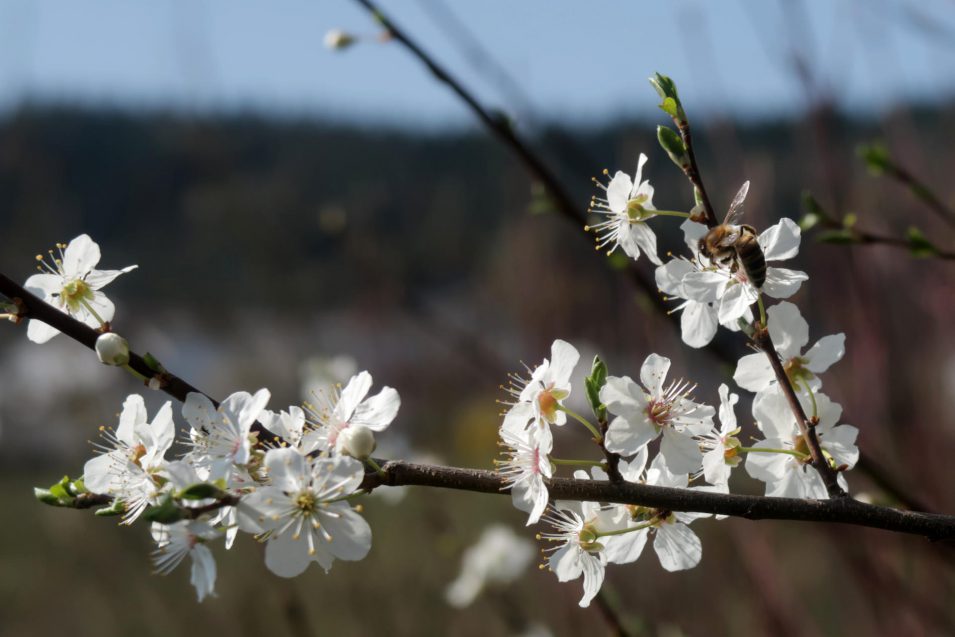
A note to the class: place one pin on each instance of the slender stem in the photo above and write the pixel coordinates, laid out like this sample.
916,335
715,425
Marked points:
577,463
631,529
586,423
812,398
374,465
669,213
89,308
135,373
762,310
791,452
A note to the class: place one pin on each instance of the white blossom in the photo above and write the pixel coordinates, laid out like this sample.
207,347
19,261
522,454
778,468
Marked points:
790,334
187,537
132,457
526,467
499,557
789,473
579,549
539,399
731,292
721,446
223,435
305,511
626,209
643,413
699,319
676,545
71,283
334,411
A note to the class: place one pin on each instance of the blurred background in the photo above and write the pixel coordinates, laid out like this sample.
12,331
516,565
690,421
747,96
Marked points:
298,213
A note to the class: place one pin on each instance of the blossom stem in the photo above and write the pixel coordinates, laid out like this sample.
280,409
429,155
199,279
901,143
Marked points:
669,213
135,373
586,423
791,452
374,465
762,310
89,308
812,397
578,463
350,496
639,527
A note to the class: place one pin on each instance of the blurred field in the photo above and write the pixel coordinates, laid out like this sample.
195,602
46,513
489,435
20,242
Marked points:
263,243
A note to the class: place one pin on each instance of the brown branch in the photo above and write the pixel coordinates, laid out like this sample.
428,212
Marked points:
692,172
33,307
839,510
806,425
845,510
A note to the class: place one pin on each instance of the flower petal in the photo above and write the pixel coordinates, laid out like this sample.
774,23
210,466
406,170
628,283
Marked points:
377,412
80,256
677,546
644,237
782,283
618,192
653,373
780,241
753,372
40,332
698,324
563,359
788,329
681,452
828,351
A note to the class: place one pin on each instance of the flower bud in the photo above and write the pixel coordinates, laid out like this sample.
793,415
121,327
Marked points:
112,349
336,40
356,441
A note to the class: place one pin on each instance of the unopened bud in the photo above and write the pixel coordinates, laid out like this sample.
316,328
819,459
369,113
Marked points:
336,40
356,441
112,349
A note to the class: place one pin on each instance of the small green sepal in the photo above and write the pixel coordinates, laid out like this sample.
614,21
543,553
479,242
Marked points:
593,384
166,512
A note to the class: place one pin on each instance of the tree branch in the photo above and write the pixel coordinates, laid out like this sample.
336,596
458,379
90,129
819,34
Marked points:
840,510
33,307
806,426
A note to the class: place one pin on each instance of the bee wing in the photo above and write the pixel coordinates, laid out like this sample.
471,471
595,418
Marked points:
736,207
730,239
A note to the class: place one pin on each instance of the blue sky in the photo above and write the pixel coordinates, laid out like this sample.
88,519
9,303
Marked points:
571,61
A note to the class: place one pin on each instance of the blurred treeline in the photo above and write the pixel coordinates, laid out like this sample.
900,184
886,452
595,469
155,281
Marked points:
432,259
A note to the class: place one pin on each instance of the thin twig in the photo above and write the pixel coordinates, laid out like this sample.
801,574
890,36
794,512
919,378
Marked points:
33,307
921,192
806,426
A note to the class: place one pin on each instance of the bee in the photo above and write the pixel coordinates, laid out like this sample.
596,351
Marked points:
732,245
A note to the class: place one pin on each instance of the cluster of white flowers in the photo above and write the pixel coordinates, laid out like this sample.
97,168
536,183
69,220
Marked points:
294,495
699,446
294,491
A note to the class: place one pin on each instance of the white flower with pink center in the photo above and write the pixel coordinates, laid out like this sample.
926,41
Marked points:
334,411
539,399
644,413
525,468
